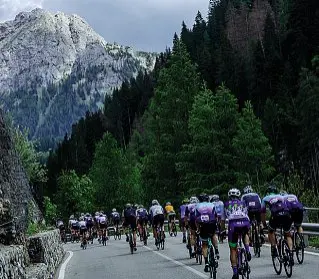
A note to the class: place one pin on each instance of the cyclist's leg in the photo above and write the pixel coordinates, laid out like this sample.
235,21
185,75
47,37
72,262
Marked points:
272,226
193,230
297,218
232,240
213,230
161,221
204,234
134,227
245,230
154,225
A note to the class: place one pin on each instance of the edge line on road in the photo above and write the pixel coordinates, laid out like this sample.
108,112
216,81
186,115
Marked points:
202,275
63,266
306,252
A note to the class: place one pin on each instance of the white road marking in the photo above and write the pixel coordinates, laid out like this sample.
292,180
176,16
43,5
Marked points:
306,252
202,275
63,266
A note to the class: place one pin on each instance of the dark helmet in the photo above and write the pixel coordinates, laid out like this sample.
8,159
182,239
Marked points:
203,197
272,189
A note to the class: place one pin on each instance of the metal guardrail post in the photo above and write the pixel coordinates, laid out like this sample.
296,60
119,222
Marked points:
306,220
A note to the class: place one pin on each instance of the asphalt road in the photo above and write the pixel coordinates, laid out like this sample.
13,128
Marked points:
115,261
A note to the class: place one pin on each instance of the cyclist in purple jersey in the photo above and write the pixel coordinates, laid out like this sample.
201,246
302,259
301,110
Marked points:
190,220
295,209
253,204
182,210
280,218
206,223
238,223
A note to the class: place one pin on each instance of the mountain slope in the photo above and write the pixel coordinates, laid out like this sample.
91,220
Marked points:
54,67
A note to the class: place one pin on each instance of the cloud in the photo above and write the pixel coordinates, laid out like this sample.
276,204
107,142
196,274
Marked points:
10,8
144,24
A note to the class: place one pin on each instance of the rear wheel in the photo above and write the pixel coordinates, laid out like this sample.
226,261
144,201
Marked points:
277,262
286,256
300,247
174,230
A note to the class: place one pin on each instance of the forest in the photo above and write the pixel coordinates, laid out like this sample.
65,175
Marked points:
235,101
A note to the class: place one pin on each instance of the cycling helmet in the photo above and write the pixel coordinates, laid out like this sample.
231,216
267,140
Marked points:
136,205
141,206
248,189
128,205
102,212
185,201
155,202
234,193
97,213
214,198
284,193
71,217
87,214
193,200
81,218
272,189
82,214
203,198
168,203
114,210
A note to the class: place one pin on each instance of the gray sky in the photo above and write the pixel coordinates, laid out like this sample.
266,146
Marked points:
144,24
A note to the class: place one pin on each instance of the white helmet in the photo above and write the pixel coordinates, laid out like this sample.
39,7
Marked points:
114,210
155,202
193,200
248,189
234,193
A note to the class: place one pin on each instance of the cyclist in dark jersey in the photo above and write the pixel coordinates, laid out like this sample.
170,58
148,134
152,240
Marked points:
129,220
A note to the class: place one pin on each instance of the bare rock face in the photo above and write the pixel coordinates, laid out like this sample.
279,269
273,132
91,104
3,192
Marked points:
15,193
55,67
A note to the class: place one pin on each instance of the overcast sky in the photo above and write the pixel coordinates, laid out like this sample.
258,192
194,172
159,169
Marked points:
144,24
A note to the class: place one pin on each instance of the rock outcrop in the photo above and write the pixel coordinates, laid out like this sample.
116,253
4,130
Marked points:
15,192
38,259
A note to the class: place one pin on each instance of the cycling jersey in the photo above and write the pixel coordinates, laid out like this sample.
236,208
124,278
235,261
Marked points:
182,210
156,210
219,208
115,215
280,217
142,213
89,221
205,212
74,224
102,220
169,209
252,201
238,220
60,224
295,209
82,224
190,212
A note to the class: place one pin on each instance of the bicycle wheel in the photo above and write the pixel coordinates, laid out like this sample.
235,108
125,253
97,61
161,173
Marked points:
286,256
276,261
145,236
162,240
115,235
174,230
300,247
244,264
256,243
131,243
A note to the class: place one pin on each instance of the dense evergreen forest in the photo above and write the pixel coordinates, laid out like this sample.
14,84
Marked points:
235,101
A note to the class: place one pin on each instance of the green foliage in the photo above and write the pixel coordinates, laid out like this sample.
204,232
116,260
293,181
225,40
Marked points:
253,154
74,193
50,211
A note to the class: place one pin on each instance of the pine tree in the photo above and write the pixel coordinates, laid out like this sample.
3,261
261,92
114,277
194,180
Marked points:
253,153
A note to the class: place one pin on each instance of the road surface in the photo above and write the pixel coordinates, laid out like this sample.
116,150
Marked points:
115,261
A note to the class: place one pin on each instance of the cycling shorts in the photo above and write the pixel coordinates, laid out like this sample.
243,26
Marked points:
255,214
142,221
297,217
158,220
130,221
103,226
83,230
182,223
171,216
207,230
236,227
278,221
192,225
116,221
75,227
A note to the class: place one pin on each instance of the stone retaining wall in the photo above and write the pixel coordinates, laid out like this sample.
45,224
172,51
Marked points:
38,259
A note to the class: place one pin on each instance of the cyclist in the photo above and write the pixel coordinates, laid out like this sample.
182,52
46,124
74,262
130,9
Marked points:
206,225
280,218
295,209
219,208
190,219
129,219
61,227
171,215
116,217
253,204
89,223
182,210
157,218
142,218
74,225
83,228
238,223
102,224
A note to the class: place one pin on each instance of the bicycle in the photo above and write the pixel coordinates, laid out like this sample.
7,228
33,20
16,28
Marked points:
242,261
84,241
255,238
298,245
212,261
199,252
188,245
160,238
131,240
144,234
283,257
